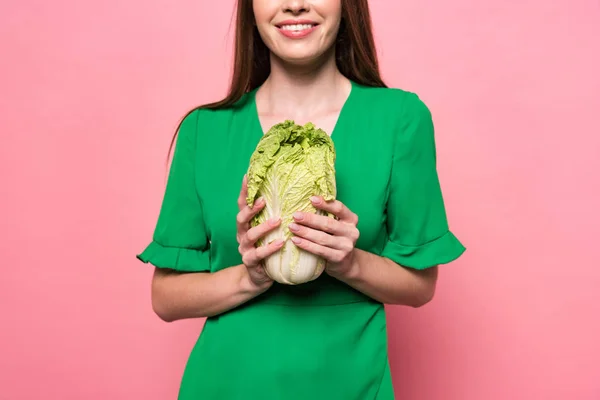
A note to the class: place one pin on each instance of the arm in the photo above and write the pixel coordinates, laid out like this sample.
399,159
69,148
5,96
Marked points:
387,282
378,277
418,239
178,296
185,283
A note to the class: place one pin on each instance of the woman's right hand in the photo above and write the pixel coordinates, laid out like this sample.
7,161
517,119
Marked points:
247,236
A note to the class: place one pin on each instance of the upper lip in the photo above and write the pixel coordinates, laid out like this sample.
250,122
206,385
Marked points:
295,22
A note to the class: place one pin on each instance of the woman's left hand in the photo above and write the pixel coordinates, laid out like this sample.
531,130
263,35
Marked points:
332,239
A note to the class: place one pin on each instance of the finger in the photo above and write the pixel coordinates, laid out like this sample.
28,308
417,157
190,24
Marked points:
335,207
317,236
260,230
243,193
246,213
321,223
332,255
256,254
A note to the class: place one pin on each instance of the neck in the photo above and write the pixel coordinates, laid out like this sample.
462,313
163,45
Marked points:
302,90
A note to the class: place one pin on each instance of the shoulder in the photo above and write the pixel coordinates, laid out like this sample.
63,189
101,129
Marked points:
397,103
197,119
405,116
197,116
206,115
408,120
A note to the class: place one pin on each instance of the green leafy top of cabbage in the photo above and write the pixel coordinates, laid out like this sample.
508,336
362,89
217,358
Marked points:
291,162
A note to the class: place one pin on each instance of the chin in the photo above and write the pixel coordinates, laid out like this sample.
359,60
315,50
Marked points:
301,58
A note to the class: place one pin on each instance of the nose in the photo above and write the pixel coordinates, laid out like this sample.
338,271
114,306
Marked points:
295,6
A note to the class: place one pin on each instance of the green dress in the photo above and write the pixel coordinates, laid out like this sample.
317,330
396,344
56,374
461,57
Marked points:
322,340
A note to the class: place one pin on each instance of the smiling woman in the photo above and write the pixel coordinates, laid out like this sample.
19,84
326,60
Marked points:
318,337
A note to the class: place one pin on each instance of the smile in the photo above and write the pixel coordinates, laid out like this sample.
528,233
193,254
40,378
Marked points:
297,29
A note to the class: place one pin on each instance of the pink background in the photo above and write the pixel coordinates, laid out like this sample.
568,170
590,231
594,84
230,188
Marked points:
91,92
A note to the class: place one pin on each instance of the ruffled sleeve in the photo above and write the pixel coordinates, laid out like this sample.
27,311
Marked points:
418,233
180,240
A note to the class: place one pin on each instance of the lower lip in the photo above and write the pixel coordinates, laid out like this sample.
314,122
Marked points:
297,34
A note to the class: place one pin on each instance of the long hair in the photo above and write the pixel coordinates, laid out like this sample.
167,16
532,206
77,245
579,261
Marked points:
355,52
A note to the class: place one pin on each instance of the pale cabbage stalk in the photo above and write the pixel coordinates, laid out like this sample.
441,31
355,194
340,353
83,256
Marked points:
291,163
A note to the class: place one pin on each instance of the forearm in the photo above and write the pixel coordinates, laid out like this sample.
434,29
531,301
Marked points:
178,296
387,282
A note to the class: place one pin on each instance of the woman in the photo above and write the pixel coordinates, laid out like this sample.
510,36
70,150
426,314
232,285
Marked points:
305,60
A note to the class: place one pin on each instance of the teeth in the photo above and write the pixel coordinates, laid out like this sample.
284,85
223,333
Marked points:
297,27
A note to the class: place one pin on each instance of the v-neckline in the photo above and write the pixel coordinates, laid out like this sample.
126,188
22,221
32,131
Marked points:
336,127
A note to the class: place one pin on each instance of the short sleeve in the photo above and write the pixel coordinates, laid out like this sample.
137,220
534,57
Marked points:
180,241
418,231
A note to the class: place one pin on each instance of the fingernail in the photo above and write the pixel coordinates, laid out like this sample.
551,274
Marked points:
298,215
274,221
293,226
296,239
278,242
260,200
315,199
